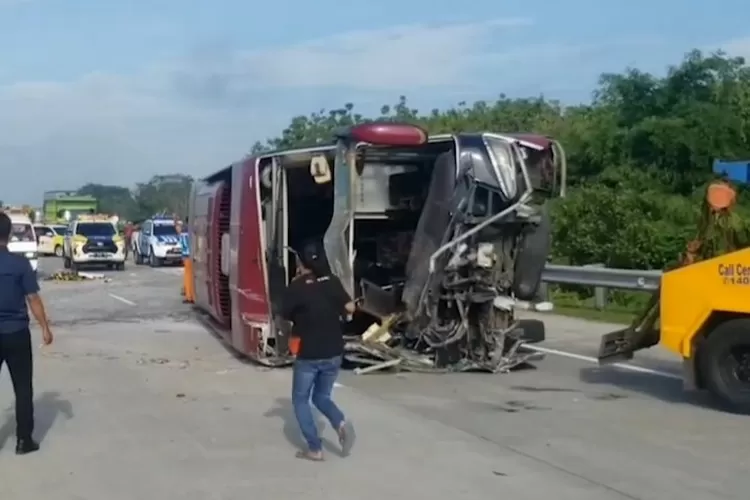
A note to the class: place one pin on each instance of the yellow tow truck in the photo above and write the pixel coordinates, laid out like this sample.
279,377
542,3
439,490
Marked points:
701,311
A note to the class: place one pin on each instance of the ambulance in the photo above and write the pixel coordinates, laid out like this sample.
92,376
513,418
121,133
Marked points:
22,237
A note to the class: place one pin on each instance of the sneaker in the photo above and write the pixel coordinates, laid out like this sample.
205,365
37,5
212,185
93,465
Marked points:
347,437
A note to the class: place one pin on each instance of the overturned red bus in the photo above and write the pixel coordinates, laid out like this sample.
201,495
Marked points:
445,236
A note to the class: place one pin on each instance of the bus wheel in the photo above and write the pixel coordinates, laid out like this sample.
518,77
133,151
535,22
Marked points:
724,360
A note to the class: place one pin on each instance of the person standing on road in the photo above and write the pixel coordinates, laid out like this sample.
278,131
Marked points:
128,232
19,286
188,291
316,302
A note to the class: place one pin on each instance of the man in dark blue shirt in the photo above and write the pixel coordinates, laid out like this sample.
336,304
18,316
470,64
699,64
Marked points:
19,286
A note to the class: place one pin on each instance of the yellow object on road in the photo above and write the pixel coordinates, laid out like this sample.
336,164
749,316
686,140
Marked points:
187,280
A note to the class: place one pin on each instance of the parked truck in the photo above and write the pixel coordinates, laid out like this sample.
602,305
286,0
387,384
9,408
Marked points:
62,206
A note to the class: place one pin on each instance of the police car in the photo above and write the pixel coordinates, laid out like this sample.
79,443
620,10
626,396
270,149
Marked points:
93,239
157,242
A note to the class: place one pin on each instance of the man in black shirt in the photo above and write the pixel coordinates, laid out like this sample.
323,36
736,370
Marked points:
315,302
18,286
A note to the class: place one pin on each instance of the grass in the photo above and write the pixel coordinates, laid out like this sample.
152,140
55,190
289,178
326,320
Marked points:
621,306
604,316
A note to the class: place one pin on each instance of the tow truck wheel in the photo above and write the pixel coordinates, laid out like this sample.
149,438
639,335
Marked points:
58,251
724,362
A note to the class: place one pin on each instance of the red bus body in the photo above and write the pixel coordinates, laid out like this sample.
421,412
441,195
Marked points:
227,249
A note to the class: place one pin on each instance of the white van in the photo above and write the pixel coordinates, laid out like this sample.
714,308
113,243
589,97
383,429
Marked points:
22,237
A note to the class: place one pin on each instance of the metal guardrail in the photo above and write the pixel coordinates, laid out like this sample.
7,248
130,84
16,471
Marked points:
603,277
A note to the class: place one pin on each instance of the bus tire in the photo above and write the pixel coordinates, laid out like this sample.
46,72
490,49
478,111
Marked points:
724,363
531,257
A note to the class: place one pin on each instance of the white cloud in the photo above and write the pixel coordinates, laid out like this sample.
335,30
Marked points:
105,129
397,58
122,129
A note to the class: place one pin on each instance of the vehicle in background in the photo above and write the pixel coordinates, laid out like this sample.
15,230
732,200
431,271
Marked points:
157,242
93,240
22,238
50,238
61,207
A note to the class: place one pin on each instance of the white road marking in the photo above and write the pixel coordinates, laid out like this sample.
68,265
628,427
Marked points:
589,359
123,299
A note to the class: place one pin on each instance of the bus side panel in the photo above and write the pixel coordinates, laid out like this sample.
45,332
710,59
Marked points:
235,230
214,261
251,291
201,225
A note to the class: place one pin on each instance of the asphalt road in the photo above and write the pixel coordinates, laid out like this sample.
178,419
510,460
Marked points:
135,400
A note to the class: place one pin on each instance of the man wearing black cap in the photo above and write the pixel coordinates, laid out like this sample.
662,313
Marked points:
316,303
18,286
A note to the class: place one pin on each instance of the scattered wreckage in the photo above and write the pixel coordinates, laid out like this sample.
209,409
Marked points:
68,275
441,239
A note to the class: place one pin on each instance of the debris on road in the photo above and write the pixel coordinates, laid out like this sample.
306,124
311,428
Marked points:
64,276
379,348
153,361
170,363
76,276
94,276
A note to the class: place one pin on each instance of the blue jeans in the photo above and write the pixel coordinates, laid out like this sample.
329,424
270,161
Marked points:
314,379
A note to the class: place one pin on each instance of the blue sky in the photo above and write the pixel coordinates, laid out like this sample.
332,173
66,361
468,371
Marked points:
114,92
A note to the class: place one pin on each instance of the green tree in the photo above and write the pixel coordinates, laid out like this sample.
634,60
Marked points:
164,193
113,199
639,154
